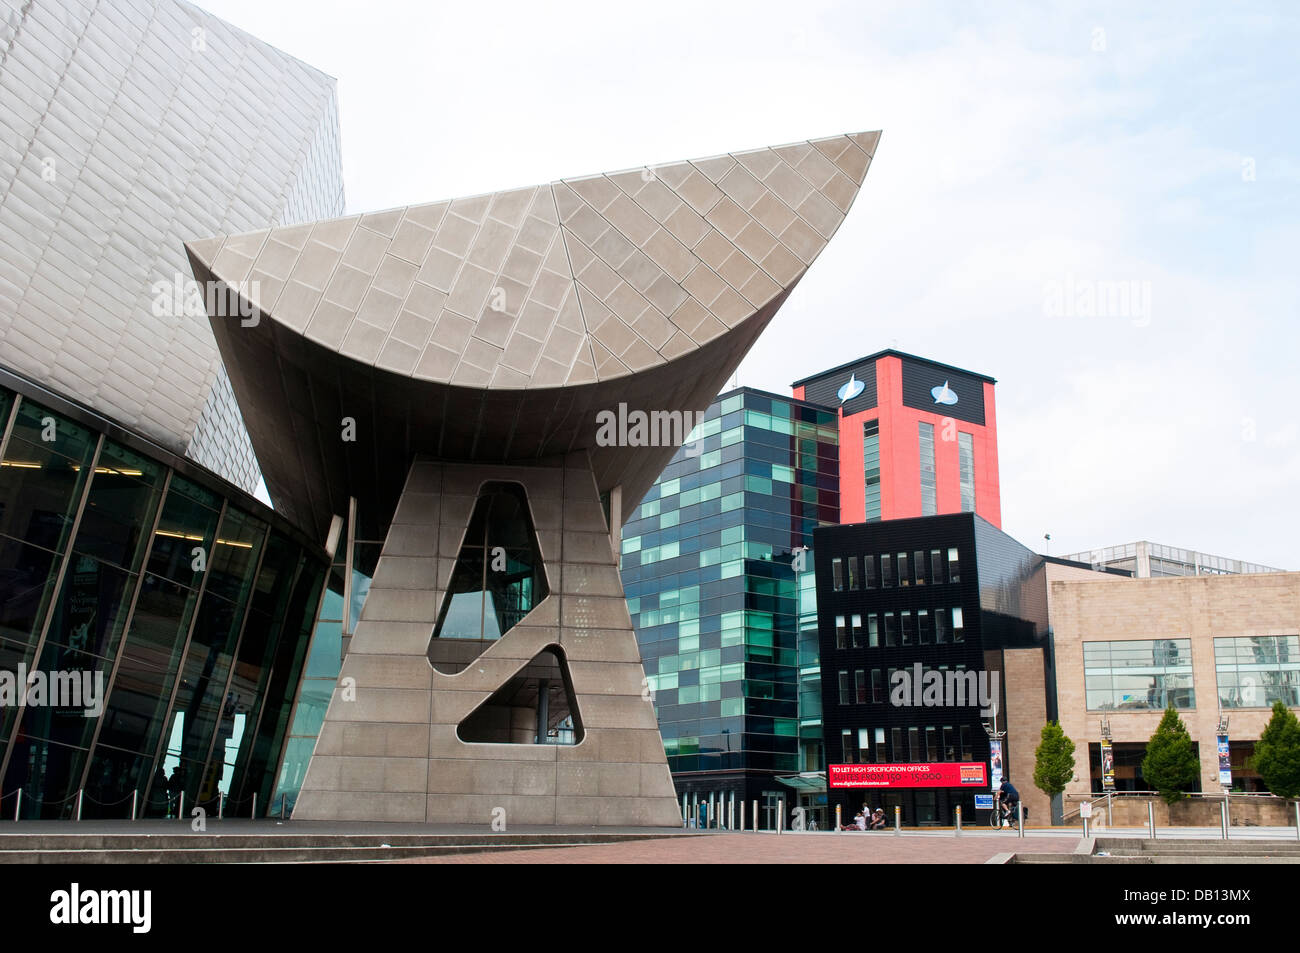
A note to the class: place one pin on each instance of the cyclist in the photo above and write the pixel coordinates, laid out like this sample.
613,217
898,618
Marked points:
1009,798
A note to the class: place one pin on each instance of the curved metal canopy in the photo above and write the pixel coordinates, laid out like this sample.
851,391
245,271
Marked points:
496,327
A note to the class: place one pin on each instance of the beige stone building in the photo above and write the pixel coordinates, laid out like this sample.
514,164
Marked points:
1217,646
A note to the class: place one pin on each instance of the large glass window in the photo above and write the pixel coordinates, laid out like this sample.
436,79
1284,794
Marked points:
869,571
1256,671
954,566
855,630
498,576
837,573
1147,674
871,468
966,470
860,686
41,489
841,635
886,571
929,499
120,507
873,631
844,687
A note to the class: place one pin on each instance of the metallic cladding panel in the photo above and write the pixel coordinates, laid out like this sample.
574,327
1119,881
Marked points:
126,128
825,390
919,380
494,328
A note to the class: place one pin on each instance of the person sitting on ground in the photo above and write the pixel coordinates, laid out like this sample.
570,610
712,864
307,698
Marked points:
878,820
859,823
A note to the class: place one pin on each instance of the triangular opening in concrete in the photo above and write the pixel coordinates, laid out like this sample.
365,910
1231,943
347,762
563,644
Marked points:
498,578
536,707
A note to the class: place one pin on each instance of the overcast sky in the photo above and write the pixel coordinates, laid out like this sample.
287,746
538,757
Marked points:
1029,154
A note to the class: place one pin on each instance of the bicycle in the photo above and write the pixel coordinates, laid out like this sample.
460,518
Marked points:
1003,812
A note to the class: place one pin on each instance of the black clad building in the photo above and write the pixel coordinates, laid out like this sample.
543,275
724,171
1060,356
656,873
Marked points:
951,593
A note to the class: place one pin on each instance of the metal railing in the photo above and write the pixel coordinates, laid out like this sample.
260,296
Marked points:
169,807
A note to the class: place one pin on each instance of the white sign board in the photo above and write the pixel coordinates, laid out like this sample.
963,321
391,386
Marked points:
1085,809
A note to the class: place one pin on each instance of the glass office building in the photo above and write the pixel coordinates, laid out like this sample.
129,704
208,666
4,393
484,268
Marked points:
707,567
134,563
179,605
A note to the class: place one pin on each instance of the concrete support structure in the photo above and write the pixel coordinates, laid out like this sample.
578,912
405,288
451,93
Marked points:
560,338
391,750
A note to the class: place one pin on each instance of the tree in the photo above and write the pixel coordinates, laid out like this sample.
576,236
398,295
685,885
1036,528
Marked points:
1277,753
1054,761
1171,765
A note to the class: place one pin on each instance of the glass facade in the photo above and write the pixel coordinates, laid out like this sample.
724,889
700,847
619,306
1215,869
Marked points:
177,605
966,470
707,568
1256,671
1146,674
871,468
929,493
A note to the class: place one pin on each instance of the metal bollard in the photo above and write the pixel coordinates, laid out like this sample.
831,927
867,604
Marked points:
134,798
80,795
1227,817
839,819
253,816
731,812
180,806
780,817
1297,820
956,831
1151,819
755,804
742,815
284,806
221,805
1085,825
1020,819
18,805
1223,818
898,819
686,812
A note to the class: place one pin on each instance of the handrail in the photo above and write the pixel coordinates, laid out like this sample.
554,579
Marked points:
1209,795
1105,797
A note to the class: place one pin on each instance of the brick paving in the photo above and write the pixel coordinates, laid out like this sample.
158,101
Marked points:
772,849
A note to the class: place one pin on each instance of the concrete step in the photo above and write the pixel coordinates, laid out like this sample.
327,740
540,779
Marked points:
213,848
1122,859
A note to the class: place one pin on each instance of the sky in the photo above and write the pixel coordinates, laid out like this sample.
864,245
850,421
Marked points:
1034,158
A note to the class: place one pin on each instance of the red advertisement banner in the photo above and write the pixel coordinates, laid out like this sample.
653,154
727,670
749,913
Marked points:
937,775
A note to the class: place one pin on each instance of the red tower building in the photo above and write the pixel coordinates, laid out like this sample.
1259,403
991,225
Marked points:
917,438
